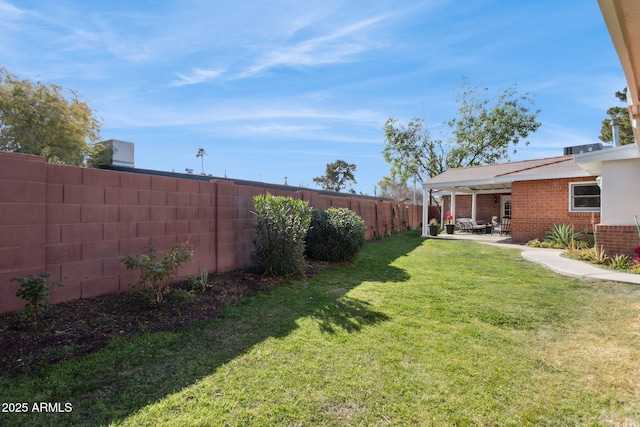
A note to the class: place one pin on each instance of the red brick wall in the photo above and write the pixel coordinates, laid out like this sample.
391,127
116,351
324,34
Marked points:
486,207
617,239
79,223
538,205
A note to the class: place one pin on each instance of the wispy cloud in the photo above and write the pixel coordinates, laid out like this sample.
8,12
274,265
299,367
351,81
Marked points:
144,115
198,75
8,10
337,46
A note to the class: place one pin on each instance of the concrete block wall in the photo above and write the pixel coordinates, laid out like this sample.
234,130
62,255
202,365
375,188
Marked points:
23,223
79,223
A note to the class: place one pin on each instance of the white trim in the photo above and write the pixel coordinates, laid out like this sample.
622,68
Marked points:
503,201
592,162
572,185
500,182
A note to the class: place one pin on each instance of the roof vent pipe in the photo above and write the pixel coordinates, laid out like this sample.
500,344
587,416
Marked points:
615,133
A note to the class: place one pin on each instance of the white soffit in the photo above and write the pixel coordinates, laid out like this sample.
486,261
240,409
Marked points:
592,162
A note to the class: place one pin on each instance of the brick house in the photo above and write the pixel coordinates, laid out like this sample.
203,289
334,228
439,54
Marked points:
535,194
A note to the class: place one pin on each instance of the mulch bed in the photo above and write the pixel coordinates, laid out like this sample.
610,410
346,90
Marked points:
80,327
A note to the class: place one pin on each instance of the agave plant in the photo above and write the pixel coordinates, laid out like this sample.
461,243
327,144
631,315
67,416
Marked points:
564,235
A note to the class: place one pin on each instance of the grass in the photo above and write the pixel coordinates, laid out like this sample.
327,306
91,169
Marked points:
413,333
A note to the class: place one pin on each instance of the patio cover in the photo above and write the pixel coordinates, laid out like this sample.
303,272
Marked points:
497,178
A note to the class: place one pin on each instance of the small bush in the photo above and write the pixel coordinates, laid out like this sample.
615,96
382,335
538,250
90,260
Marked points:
620,262
155,271
36,292
198,283
595,255
282,224
535,243
336,235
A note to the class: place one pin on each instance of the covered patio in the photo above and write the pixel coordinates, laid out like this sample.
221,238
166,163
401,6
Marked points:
484,192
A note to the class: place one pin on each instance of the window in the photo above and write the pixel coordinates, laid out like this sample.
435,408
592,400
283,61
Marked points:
505,205
584,197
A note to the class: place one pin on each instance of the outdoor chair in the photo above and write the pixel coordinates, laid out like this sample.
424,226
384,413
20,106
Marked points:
504,227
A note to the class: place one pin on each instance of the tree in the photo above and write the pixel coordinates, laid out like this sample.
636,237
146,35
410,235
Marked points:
621,114
483,131
337,175
201,153
37,118
393,187
410,150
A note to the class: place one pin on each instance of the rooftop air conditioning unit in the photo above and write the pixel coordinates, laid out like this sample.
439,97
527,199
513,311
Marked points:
121,152
579,149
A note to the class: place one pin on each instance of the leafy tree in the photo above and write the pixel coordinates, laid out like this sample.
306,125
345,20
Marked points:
37,118
483,131
621,114
99,154
337,175
410,150
395,188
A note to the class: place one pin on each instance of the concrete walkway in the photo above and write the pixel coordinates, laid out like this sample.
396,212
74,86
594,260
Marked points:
550,258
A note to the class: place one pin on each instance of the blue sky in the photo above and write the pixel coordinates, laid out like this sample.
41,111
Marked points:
275,88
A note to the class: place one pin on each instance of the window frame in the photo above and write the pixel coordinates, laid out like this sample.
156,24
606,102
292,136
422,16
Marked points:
572,197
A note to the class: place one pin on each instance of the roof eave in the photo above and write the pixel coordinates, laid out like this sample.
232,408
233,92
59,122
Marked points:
592,162
501,182
621,18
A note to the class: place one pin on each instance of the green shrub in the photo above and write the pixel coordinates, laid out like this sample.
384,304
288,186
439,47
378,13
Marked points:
35,292
565,236
198,283
282,224
535,243
595,255
620,262
336,235
155,271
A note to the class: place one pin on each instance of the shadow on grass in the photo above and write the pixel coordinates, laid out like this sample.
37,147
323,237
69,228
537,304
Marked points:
130,374
348,314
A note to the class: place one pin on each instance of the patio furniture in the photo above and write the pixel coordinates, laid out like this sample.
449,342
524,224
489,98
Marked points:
504,227
469,225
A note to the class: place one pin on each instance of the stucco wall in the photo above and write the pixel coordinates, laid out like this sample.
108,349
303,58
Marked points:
620,196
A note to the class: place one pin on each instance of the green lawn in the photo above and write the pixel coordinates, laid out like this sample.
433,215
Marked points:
415,332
